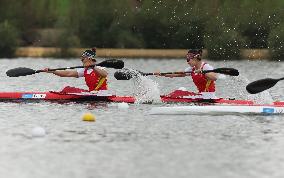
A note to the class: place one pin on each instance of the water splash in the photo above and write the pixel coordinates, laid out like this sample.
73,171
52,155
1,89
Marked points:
236,86
145,89
261,98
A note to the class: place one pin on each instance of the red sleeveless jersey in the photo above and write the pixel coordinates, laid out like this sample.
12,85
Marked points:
202,84
94,81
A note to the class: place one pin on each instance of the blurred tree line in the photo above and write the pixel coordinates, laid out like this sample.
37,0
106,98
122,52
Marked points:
221,26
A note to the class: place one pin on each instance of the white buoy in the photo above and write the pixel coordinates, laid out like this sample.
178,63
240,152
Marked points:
122,105
38,132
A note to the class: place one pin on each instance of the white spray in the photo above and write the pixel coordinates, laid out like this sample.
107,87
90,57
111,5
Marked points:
145,89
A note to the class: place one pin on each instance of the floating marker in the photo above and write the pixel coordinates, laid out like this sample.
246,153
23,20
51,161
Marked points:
88,117
38,132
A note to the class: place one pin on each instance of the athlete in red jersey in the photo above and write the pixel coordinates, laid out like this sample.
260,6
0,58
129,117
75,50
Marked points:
95,77
204,82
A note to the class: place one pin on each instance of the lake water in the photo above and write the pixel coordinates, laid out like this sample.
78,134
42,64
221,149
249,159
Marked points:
128,143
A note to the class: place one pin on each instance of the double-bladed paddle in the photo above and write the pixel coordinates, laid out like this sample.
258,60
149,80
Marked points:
261,85
23,71
128,74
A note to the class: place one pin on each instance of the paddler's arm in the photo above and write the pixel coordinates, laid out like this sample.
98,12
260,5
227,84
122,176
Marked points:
100,71
211,76
65,73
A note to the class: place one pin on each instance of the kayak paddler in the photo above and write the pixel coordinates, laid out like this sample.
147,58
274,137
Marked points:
95,76
205,83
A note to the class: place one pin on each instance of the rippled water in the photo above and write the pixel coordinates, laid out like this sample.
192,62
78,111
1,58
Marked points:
132,143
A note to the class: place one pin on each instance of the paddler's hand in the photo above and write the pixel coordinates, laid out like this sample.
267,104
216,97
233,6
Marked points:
157,73
198,71
169,75
47,70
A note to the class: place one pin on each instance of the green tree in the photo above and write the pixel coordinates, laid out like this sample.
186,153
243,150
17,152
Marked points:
257,19
276,43
107,24
8,36
222,42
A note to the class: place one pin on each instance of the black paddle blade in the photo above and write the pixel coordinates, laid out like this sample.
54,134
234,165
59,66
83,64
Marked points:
127,74
120,75
227,71
20,71
112,63
261,85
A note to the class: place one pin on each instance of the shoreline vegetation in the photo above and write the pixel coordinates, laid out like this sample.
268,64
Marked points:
252,54
226,29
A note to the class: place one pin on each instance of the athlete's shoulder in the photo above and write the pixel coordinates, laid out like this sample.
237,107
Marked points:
100,67
80,72
207,66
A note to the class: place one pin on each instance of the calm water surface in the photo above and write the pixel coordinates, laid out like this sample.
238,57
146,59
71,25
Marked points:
131,143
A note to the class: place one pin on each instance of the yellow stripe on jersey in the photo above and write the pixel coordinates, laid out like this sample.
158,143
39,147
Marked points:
207,85
100,83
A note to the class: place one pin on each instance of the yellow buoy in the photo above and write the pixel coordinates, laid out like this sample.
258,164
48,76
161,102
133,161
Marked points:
89,117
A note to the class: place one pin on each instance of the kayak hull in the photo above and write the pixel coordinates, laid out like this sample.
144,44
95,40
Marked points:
217,109
54,96
111,98
75,94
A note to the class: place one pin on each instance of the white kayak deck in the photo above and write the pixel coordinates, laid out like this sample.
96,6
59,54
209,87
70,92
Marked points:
217,109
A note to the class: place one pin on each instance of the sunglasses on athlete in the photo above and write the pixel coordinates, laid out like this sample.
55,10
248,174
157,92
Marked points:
86,57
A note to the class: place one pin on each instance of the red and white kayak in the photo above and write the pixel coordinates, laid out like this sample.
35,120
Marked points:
68,93
76,94
217,106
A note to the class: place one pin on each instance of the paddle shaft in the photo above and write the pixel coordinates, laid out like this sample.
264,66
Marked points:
281,79
166,73
76,67
128,74
227,71
64,68
23,71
